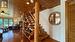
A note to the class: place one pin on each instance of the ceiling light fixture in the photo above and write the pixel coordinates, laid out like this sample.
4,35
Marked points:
27,3
32,1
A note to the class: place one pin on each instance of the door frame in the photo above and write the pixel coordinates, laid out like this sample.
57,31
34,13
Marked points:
66,22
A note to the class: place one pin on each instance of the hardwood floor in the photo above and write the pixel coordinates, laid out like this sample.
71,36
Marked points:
13,36
17,36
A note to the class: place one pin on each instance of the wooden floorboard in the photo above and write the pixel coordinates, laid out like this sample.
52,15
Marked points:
17,36
13,36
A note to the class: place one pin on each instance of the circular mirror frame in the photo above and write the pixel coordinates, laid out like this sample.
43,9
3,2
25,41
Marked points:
54,18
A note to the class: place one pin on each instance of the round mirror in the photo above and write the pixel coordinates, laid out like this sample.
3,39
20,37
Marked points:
55,18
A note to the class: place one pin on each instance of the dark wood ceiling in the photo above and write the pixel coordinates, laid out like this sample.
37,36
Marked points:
44,4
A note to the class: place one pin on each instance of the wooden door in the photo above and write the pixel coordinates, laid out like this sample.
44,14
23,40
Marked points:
70,9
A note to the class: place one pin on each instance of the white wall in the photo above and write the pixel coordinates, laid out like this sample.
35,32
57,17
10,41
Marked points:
57,32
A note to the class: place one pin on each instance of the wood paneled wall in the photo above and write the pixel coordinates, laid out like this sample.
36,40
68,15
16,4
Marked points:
71,21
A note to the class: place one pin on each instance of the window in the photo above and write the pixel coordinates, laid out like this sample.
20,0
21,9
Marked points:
5,23
3,4
1,23
10,22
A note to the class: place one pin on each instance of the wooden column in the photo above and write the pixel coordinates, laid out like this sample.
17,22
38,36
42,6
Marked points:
36,30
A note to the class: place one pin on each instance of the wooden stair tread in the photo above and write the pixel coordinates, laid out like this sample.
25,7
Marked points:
48,39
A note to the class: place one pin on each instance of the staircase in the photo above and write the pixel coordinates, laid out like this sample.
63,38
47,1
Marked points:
28,30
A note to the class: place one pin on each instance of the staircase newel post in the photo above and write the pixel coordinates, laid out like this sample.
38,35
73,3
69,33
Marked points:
36,30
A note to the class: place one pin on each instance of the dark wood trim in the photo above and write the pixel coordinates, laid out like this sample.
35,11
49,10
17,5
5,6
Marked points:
66,22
